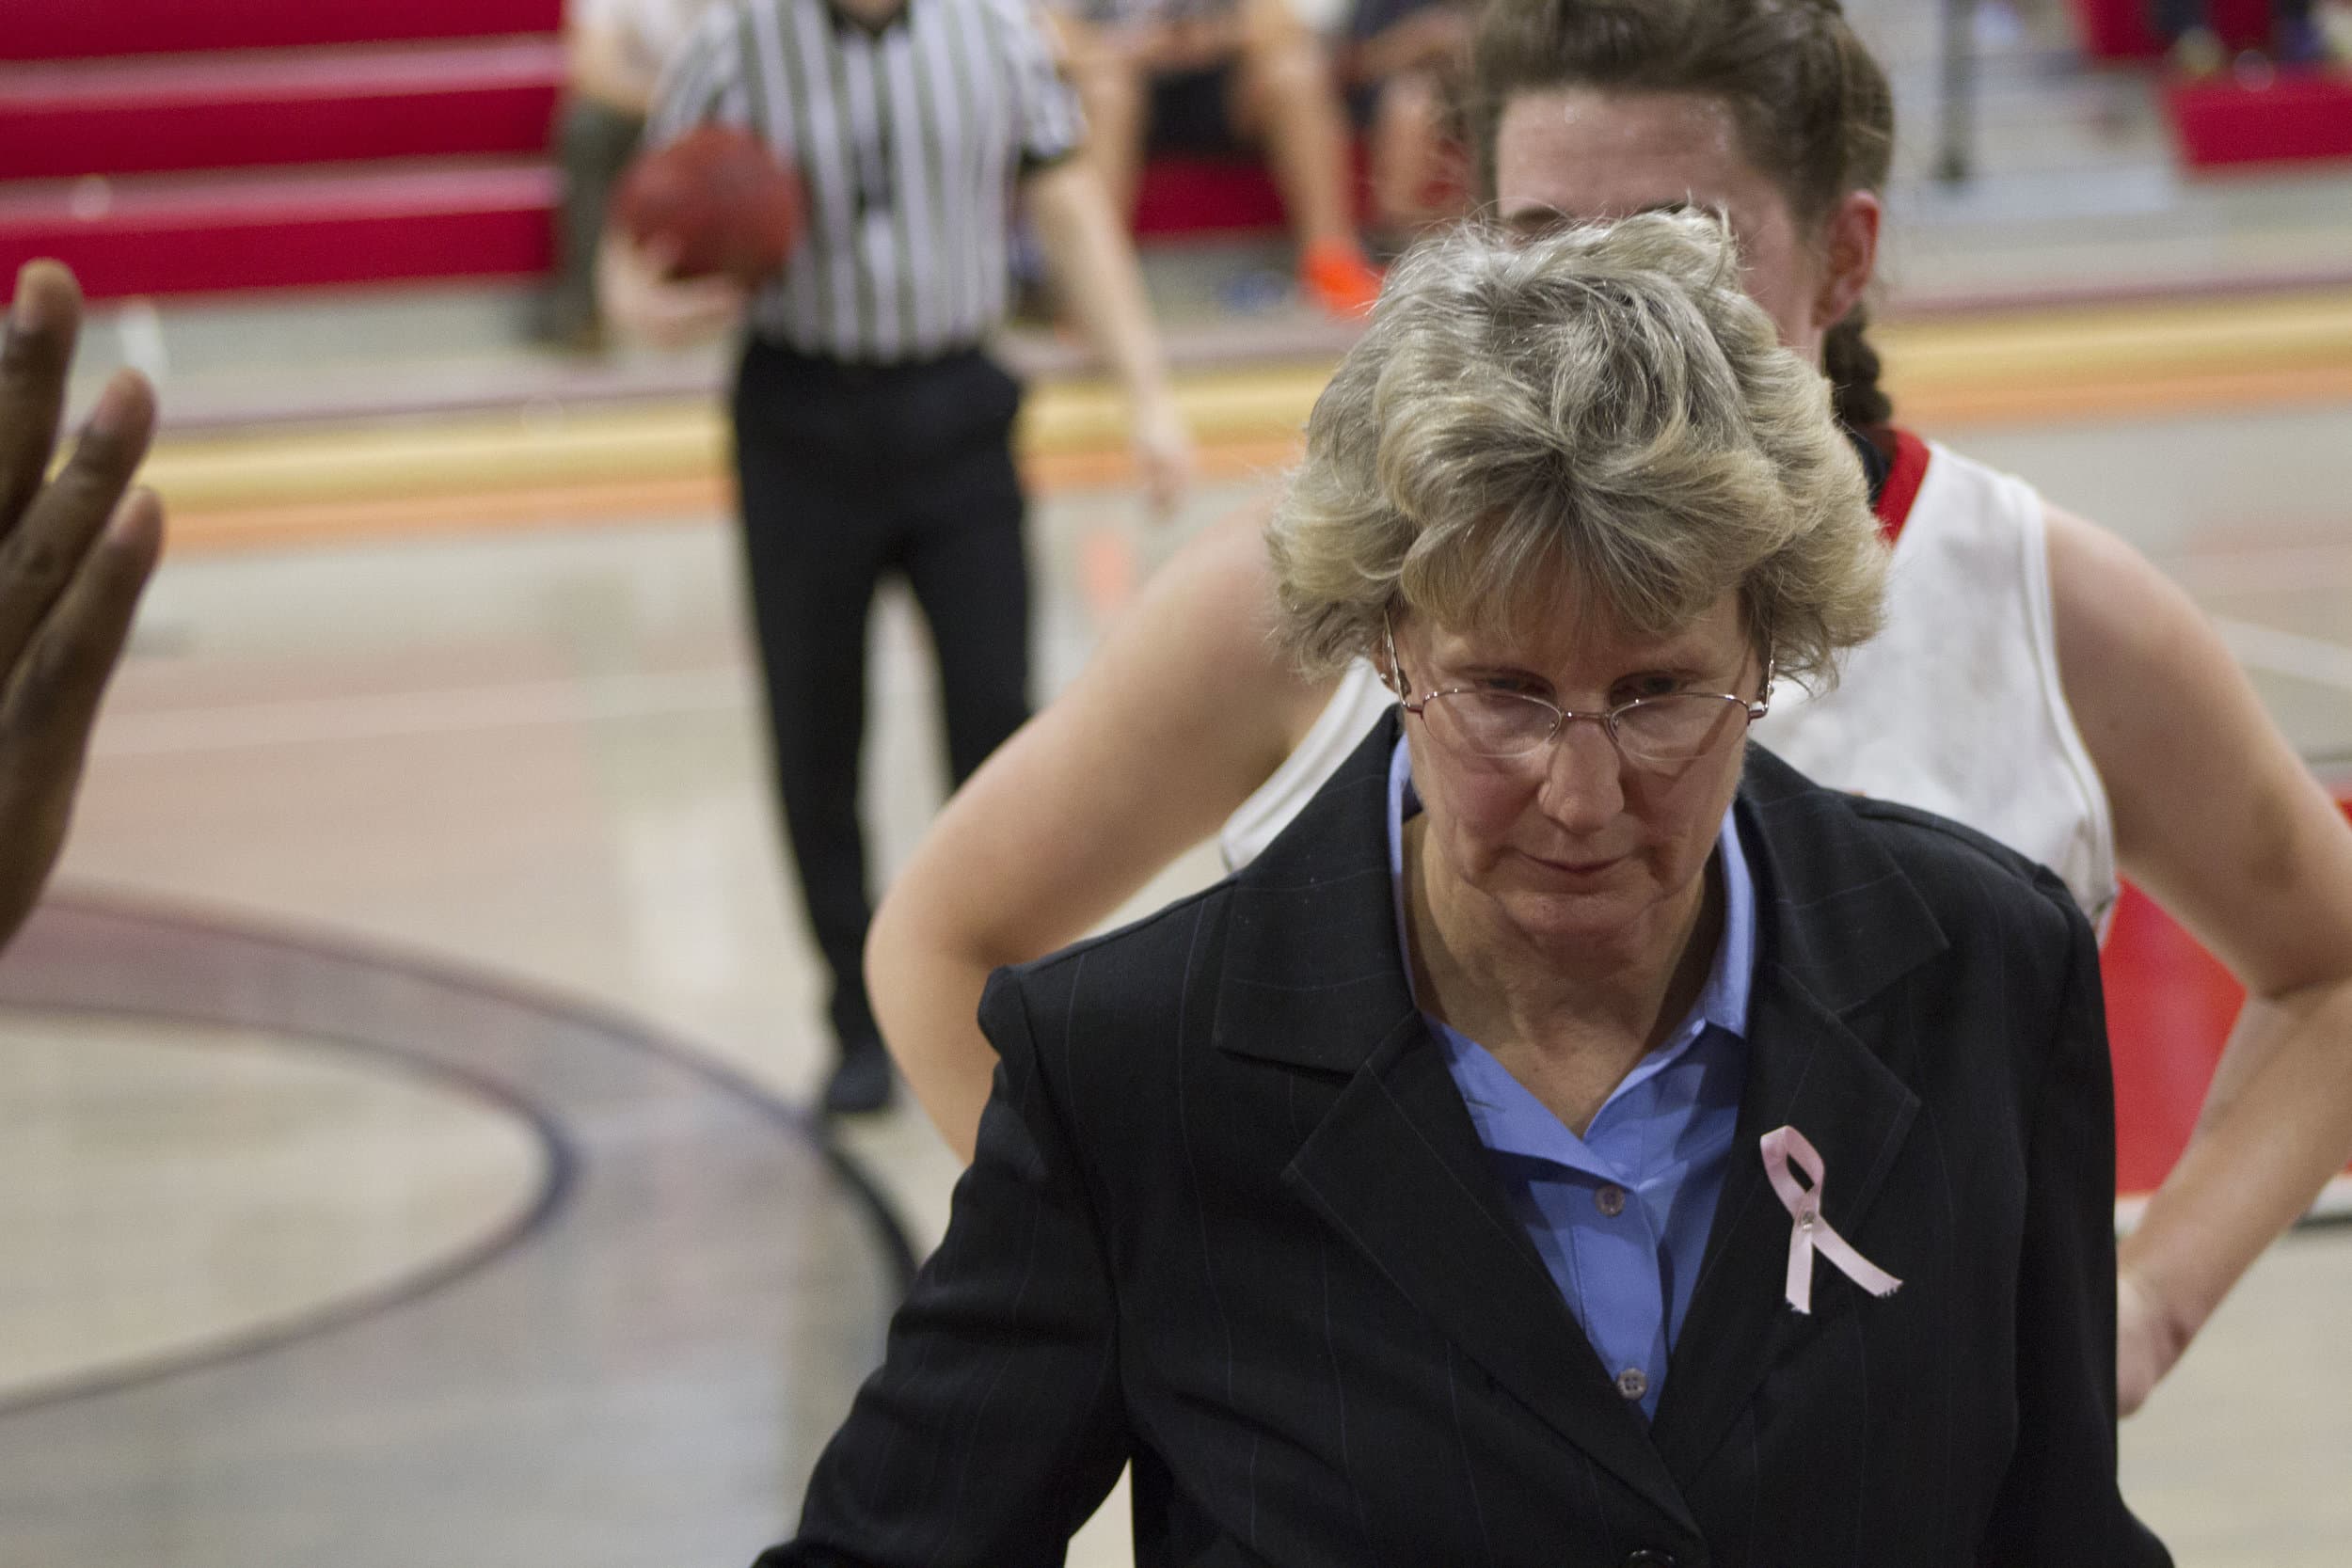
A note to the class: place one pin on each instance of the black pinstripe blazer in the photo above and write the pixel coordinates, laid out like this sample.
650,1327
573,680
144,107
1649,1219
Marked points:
1230,1220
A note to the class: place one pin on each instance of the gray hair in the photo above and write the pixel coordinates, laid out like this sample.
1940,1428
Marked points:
1604,408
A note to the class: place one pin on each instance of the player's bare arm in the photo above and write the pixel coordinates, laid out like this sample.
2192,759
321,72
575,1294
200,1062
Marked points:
2220,821
1184,710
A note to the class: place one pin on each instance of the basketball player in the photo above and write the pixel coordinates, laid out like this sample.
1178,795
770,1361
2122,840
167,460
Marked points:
2039,680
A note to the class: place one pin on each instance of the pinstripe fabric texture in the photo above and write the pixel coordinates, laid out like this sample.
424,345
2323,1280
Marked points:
907,140
1230,1220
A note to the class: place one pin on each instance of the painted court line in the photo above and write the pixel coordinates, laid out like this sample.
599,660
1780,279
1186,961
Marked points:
307,721
2299,569
2286,653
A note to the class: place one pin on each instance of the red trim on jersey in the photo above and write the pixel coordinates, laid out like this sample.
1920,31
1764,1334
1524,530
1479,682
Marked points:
1906,467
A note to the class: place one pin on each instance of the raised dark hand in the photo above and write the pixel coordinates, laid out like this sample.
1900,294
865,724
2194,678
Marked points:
75,551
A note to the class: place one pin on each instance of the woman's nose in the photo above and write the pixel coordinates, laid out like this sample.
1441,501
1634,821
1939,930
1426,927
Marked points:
1583,787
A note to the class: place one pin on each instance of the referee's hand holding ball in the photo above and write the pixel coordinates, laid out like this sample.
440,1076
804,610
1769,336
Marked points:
638,294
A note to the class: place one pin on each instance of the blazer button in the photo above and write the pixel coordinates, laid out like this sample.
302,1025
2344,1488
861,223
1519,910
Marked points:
1648,1559
1633,1383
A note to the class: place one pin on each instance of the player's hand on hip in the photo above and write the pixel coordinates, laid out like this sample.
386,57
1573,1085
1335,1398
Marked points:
75,551
1164,456
2147,1342
638,296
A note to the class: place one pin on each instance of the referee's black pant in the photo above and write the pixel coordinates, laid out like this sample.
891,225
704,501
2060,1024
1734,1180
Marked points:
847,472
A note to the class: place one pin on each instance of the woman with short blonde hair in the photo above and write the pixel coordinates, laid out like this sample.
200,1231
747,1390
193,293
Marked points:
1579,1139
1492,430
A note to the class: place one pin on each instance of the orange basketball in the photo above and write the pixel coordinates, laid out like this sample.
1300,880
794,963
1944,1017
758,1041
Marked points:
720,196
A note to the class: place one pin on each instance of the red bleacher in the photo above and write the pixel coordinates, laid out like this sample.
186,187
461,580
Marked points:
2291,117
362,223
242,108
107,29
2123,30
2263,117
1191,194
162,146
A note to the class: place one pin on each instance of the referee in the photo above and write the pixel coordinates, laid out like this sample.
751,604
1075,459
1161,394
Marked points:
872,432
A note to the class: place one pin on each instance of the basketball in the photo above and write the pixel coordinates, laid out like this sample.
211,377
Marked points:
720,196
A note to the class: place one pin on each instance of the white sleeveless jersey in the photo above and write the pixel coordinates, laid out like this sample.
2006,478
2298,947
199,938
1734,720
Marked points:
1342,725
1955,707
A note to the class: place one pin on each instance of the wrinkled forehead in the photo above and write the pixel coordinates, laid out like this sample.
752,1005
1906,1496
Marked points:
1562,627
1578,155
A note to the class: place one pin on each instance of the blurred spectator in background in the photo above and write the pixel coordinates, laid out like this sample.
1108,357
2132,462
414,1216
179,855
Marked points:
2335,20
2302,33
1205,76
613,53
75,550
1404,63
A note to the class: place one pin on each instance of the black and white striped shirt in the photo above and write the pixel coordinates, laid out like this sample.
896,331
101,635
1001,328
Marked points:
907,140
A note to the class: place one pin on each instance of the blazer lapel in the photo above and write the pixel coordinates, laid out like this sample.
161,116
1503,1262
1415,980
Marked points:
1809,1067
1398,1170
1314,979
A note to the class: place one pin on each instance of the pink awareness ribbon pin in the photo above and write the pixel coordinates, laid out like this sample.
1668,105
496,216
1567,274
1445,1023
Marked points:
1812,1230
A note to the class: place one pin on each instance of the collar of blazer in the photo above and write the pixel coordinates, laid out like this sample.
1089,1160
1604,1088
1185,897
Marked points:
1311,977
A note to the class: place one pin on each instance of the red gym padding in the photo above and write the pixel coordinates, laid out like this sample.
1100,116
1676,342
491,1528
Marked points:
2169,1009
73,29
142,114
2296,117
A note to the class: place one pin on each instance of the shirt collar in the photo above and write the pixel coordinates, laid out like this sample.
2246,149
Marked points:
1723,1001
843,22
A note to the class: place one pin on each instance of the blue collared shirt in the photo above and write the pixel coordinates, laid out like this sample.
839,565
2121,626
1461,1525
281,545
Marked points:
1619,1215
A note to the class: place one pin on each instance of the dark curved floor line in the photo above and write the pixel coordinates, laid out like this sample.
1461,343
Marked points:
563,1159
453,975
555,1185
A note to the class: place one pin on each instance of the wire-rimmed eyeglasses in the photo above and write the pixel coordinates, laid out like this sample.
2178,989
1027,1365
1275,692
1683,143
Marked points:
1659,734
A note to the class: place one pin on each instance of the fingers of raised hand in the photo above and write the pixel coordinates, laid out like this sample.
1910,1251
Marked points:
44,317
51,696
48,547
53,686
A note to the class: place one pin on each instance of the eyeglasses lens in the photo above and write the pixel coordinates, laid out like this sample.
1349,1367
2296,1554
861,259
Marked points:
1667,732
1659,732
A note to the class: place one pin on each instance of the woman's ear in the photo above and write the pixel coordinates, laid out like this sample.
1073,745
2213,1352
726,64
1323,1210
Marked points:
1384,660
1850,255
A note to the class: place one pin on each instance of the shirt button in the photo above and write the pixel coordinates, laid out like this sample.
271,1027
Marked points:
1633,1382
1609,1200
